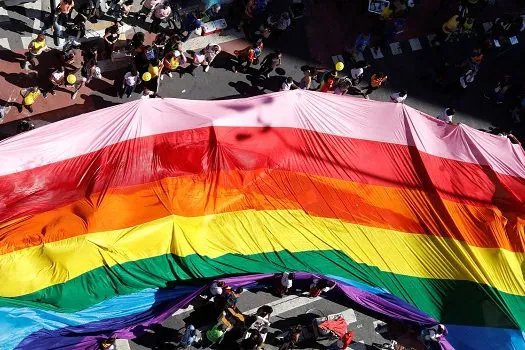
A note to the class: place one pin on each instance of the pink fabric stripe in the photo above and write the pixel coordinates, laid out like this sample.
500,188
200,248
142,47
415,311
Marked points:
327,113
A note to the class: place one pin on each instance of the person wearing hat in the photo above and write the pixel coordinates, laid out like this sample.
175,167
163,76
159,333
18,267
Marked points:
171,63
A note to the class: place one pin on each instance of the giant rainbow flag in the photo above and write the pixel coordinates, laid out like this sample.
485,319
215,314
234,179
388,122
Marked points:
100,213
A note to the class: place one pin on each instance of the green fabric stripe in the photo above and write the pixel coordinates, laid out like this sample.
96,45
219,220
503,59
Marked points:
455,302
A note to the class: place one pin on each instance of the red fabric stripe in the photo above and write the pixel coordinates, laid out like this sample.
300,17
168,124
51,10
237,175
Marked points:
210,150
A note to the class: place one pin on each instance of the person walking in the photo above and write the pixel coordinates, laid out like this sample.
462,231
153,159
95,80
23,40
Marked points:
249,55
35,48
270,62
399,97
88,71
56,78
131,79
197,60
160,14
376,80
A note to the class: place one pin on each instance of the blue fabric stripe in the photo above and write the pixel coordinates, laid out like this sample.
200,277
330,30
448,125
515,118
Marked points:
18,323
485,338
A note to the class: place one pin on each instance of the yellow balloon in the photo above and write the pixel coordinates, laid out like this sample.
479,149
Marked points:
339,66
71,78
29,100
146,76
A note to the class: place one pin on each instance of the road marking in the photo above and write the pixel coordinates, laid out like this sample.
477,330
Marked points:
376,52
5,43
415,44
122,344
37,23
396,48
285,304
25,41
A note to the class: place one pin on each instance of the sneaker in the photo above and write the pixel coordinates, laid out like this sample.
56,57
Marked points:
170,75
128,96
367,97
74,95
162,77
26,65
44,95
19,108
207,68
53,93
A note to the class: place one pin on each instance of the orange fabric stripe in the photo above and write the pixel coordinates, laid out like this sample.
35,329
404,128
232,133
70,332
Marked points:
408,210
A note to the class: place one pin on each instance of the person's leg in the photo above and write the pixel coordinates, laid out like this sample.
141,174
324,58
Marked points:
128,90
191,68
370,89
29,108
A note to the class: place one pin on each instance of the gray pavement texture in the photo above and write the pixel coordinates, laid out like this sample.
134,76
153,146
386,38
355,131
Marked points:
292,311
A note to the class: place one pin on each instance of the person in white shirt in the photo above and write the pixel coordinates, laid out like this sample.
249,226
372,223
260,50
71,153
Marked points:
285,283
131,79
288,84
399,97
56,79
447,115
210,52
217,288
357,72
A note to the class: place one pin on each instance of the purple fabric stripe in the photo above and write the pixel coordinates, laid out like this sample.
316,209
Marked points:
385,304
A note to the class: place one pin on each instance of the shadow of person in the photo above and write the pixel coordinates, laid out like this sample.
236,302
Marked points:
224,60
156,337
10,56
21,80
245,89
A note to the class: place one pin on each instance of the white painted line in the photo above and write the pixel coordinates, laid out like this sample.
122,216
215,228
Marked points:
415,44
5,43
122,344
3,12
376,52
181,311
396,48
285,304
431,38
25,41
487,26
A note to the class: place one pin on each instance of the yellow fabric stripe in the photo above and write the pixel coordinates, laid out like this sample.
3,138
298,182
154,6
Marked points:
251,232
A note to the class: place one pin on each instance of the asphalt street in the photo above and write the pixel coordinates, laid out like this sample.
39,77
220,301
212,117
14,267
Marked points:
289,311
